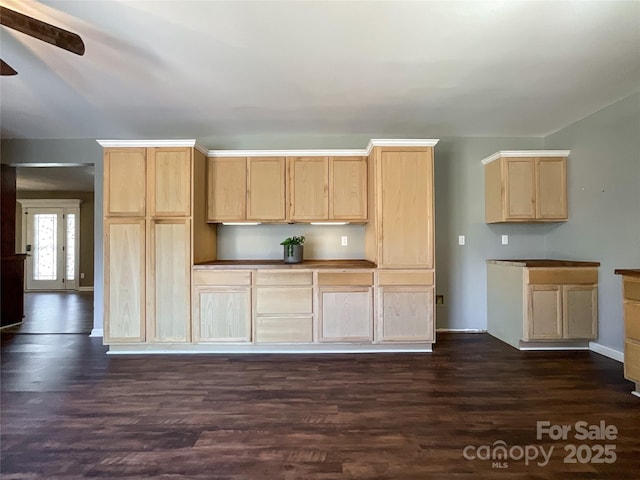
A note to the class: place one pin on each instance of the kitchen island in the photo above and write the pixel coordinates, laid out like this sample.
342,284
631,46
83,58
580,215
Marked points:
537,304
631,299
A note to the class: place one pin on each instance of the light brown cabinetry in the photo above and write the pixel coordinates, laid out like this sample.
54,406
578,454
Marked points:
345,306
327,188
525,188
124,280
405,306
222,306
534,306
631,306
147,244
246,189
284,306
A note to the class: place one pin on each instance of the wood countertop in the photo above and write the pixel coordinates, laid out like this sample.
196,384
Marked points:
633,272
306,264
544,263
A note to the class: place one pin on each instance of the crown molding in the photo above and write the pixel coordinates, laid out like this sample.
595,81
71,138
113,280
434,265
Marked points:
525,153
147,143
352,152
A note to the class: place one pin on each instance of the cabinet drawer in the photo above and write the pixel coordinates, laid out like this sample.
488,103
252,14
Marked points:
284,300
226,277
632,361
270,277
563,276
405,277
284,330
632,320
632,290
345,278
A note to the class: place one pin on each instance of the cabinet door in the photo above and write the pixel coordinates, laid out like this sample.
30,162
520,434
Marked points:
169,282
226,189
309,188
222,314
345,314
169,181
551,188
348,188
580,311
406,222
405,314
544,312
266,188
125,182
124,281
520,188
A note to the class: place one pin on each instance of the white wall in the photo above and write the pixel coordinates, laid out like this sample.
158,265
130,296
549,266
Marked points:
604,203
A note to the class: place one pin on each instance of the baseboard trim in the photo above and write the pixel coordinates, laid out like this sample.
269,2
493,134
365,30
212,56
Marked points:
85,289
460,330
12,325
607,351
97,332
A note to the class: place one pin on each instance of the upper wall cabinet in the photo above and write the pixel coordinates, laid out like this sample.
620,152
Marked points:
141,181
125,182
526,186
328,188
246,189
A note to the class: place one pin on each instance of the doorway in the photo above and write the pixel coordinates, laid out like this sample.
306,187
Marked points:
51,239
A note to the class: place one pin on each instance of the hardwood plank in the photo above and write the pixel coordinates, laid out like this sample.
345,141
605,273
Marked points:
69,411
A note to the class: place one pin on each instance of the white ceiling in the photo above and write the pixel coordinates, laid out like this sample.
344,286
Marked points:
217,70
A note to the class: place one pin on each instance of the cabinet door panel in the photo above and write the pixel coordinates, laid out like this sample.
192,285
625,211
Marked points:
551,188
309,188
348,188
544,312
226,189
169,289
124,281
169,181
406,314
222,314
407,209
580,308
520,188
125,182
266,188
284,329
346,314
275,300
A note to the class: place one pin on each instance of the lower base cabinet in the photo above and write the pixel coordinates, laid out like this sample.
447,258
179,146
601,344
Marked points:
222,314
222,306
406,314
631,307
345,314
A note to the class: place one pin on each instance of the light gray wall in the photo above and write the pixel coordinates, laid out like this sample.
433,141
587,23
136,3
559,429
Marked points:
21,151
459,203
263,241
604,203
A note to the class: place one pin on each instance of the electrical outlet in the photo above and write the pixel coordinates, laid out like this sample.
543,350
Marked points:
461,240
505,239
82,275
439,299
345,241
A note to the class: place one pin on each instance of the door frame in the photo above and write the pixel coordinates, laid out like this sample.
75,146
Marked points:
68,206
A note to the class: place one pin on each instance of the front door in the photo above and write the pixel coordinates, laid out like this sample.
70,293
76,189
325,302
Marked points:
51,246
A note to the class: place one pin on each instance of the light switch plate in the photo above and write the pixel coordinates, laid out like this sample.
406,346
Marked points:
460,239
505,239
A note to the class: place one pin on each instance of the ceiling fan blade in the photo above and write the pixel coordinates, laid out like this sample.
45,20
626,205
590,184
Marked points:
42,31
6,69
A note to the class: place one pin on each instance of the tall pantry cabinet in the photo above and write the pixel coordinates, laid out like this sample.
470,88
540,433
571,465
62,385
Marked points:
399,238
147,227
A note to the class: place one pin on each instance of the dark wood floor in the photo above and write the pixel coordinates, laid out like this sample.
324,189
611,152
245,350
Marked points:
69,411
55,312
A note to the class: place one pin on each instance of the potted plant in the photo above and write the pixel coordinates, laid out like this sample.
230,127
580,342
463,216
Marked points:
293,249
